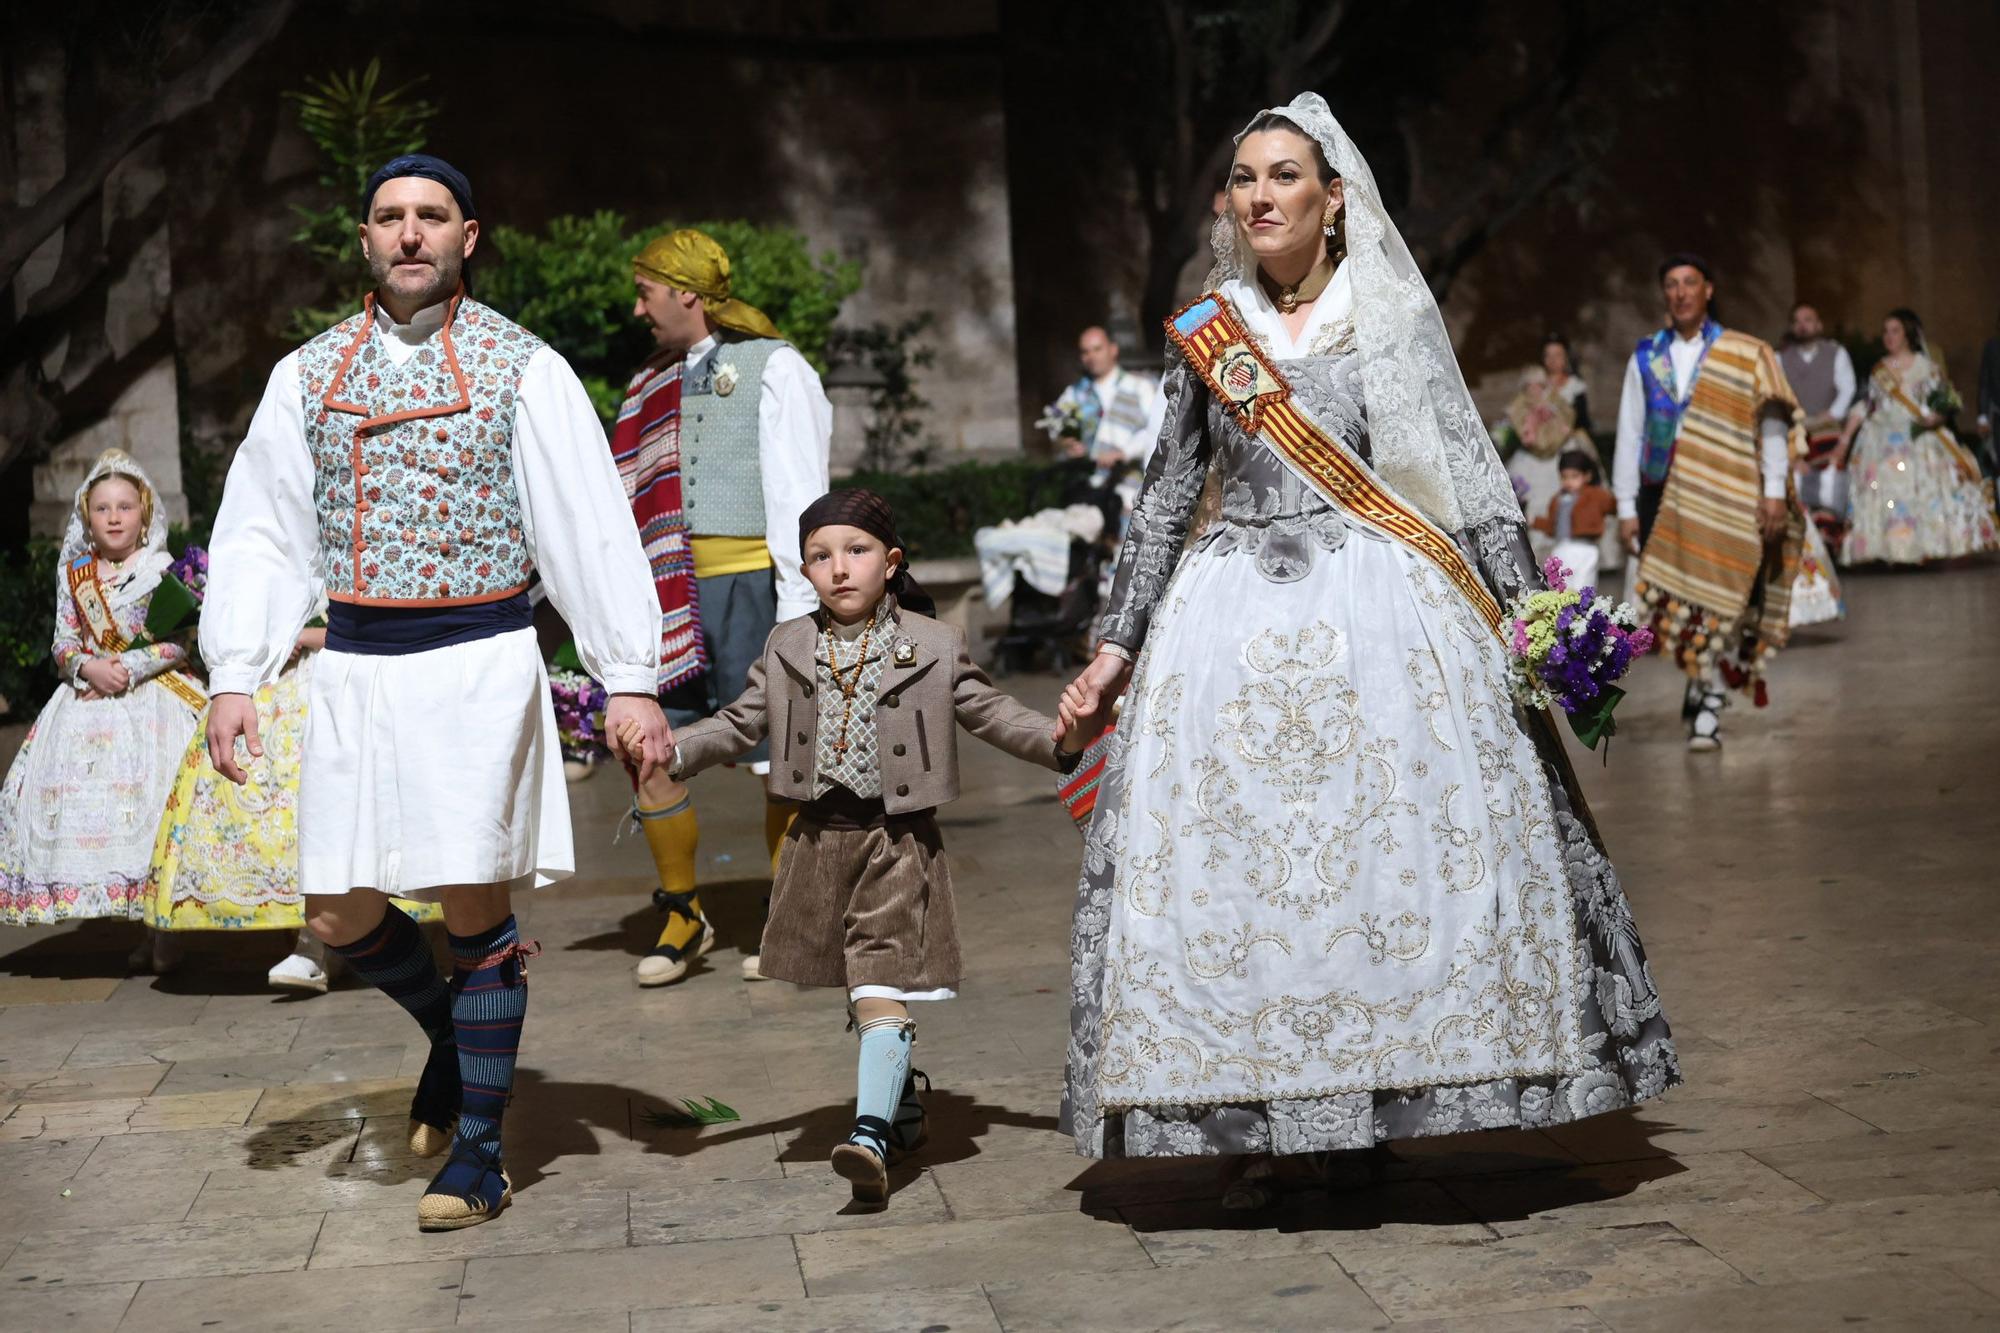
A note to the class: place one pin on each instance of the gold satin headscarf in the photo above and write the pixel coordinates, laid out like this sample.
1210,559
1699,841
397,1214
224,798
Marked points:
691,261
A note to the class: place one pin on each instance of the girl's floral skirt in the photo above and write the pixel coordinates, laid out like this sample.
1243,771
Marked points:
82,803
227,857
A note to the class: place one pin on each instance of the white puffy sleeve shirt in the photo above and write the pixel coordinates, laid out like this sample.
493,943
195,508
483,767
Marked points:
264,560
794,445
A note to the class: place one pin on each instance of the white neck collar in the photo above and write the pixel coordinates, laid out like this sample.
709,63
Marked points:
1261,315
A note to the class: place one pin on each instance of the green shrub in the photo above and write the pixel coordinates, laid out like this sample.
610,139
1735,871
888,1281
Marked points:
357,125
27,627
895,436
937,512
571,283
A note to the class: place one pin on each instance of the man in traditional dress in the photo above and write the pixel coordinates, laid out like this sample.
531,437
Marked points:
1119,412
723,441
1988,406
421,460
1822,377
1707,431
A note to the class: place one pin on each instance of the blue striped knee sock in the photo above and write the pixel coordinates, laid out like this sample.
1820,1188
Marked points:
395,960
489,1000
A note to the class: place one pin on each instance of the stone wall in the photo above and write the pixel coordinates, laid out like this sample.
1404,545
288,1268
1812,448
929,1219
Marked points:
886,152
874,129
1835,149
119,355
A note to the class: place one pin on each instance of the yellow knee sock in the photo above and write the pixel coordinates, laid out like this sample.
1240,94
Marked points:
673,835
778,817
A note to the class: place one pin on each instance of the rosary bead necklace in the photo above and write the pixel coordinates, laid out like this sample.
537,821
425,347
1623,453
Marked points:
847,679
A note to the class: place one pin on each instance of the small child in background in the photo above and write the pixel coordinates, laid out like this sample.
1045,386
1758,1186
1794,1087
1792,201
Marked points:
1577,516
863,700
84,796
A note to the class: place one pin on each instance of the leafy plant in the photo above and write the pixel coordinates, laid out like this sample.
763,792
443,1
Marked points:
358,125
203,472
690,1113
937,512
571,283
27,627
894,436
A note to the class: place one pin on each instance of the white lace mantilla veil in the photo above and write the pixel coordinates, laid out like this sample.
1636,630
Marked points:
152,558
1427,440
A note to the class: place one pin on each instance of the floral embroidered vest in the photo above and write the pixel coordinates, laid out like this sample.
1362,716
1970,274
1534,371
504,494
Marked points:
413,464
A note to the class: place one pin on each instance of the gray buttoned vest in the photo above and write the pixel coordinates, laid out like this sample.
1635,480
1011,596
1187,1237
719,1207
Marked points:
722,483
1811,381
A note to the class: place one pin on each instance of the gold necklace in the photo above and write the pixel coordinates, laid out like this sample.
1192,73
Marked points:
1307,288
850,686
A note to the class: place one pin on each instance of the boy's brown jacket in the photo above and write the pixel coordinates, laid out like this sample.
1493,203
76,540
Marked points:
1594,506
930,688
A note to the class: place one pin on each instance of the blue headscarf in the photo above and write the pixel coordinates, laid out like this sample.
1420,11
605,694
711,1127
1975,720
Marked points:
428,168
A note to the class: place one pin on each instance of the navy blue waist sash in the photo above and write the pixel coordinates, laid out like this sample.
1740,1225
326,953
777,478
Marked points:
393,631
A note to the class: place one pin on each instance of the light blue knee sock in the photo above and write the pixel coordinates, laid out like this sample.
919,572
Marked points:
879,1076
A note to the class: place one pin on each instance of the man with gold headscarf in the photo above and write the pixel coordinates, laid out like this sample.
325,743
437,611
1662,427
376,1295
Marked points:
740,415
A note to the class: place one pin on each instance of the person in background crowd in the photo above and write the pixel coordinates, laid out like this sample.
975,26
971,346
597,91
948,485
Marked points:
82,800
729,417
1916,493
1707,432
1989,406
1821,374
1577,517
1118,411
1550,416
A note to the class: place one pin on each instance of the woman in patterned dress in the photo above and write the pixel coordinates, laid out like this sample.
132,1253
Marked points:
227,857
1915,494
83,798
1339,888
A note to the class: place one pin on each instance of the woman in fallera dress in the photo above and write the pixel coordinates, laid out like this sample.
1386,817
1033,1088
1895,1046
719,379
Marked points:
1915,493
1339,887
83,797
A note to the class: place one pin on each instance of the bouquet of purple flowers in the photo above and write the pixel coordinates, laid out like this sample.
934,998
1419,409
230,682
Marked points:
192,570
178,597
1567,646
579,702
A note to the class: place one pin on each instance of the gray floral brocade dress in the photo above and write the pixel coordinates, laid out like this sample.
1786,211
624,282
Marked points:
1339,888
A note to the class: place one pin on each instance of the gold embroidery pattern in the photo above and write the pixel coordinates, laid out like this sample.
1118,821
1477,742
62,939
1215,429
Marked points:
1330,882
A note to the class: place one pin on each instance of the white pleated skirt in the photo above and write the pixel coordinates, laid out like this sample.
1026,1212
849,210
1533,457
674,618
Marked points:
433,769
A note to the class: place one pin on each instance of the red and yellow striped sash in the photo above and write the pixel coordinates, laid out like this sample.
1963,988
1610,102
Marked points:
93,607
1243,379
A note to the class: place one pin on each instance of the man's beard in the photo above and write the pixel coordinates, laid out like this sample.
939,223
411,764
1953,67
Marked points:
445,271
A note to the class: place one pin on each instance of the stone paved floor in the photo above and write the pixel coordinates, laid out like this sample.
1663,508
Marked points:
1818,901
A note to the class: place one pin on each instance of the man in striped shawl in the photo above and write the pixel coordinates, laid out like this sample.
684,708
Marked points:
1707,432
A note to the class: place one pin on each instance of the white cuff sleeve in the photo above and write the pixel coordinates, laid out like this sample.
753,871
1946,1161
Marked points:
631,680
1776,460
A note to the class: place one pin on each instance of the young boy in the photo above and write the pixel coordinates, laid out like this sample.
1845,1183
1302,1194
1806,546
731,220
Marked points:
862,701
1576,517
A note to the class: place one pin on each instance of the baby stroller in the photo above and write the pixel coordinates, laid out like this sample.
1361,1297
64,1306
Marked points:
1050,628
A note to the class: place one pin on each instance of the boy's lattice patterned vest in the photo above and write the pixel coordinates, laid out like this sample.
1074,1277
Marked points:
413,463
